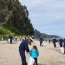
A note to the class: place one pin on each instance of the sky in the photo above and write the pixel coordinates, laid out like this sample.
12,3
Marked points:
47,16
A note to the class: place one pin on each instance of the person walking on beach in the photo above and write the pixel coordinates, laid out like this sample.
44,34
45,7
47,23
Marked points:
61,42
34,54
41,40
64,45
49,41
11,38
22,48
54,42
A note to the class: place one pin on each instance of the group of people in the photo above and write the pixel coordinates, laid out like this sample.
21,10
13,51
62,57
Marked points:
33,52
61,43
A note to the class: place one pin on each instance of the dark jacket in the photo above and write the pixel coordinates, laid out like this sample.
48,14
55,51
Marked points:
41,39
24,46
54,40
61,42
64,43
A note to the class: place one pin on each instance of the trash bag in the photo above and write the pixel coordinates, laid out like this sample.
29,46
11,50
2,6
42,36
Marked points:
31,61
8,40
42,44
62,50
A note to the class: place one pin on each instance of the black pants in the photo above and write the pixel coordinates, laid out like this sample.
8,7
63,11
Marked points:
40,43
10,40
64,50
23,57
24,62
61,45
35,61
54,44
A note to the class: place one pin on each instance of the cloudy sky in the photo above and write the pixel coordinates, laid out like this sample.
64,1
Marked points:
47,16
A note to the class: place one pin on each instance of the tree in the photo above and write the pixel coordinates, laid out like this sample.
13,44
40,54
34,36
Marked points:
14,16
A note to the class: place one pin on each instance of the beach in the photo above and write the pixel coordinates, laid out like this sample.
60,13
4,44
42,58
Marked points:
48,55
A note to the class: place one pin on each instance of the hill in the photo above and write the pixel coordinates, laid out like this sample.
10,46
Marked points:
37,34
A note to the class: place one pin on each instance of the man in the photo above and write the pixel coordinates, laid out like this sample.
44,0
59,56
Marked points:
61,42
54,42
64,45
11,38
23,46
41,41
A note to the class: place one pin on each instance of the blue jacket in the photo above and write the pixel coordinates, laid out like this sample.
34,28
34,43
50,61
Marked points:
34,53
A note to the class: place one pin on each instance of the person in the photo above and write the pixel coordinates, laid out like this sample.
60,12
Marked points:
34,54
54,42
22,48
49,41
32,37
11,38
64,45
16,39
41,40
8,40
61,42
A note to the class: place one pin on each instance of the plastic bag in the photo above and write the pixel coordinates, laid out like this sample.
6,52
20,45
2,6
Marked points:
8,40
43,43
62,49
31,61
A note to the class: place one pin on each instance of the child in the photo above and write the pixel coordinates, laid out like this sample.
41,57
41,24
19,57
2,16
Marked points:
34,54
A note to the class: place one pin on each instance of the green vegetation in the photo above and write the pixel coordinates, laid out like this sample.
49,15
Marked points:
4,33
14,18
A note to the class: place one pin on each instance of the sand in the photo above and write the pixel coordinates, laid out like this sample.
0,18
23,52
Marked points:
48,55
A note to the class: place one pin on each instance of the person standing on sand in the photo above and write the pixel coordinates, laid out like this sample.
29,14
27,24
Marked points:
49,41
41,40
22,48
54,42
34,54
64,45
11,38
61,42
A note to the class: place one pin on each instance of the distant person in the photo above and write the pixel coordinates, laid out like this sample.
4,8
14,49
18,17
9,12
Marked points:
8,40
61,42
41,41
49,41
32,37
22,48
34,54
11,38
64,45
16,39
54,42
